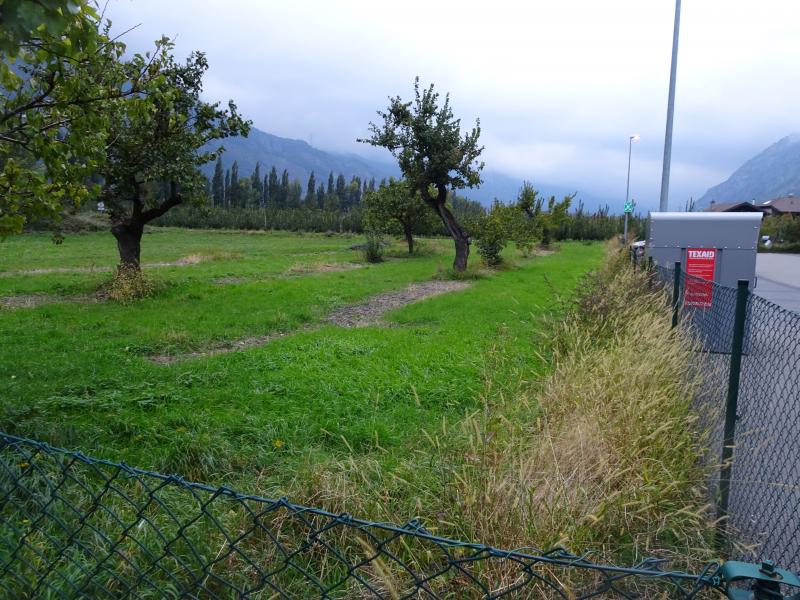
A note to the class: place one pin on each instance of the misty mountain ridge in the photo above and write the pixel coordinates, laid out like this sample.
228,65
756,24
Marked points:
774,173
300,158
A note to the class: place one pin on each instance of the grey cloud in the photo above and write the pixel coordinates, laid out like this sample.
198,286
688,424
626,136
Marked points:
576,75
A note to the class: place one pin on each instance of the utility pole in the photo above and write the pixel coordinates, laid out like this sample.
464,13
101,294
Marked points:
663,204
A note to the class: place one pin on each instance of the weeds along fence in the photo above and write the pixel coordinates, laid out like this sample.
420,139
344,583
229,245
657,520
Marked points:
749,356
72,526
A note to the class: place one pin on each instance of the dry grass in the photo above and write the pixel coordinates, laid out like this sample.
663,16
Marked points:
195,259
129,285
34,300
602,455
321,267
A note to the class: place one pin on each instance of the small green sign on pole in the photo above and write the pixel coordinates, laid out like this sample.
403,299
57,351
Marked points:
628,208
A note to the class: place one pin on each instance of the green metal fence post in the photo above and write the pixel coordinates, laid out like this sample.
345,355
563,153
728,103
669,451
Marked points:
740,316
676,289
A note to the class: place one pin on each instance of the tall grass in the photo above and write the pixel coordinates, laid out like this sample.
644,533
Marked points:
601,455
604,453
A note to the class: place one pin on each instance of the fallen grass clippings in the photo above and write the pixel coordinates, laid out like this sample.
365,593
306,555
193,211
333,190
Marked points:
129,285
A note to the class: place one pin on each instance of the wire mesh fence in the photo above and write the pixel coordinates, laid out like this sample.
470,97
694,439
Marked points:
764,496
77,527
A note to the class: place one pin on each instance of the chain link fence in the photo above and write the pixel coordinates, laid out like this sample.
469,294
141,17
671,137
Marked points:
72,526
757,390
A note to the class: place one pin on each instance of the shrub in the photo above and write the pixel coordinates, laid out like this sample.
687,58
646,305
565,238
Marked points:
490,245
790,248
789,229
491,233
373,247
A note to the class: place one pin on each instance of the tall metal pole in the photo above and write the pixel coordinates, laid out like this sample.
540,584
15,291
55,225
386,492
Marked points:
627,191
663,204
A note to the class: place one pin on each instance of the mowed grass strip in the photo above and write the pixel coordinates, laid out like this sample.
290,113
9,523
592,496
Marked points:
34,264
78,375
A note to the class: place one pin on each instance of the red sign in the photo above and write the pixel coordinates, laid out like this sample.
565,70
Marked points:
700,264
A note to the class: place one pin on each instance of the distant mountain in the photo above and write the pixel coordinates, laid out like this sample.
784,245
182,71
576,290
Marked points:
297,157
300,158
775,173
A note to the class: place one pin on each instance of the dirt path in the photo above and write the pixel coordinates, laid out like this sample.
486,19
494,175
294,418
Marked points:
371,311
311,268
359,315
34,300
192,259
235,346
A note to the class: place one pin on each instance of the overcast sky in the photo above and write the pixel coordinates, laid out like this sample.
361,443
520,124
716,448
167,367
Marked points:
558,84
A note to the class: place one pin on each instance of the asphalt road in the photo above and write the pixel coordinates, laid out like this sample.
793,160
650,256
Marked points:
779,279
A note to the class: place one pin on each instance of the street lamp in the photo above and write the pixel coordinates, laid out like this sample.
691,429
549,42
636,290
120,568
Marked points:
631,138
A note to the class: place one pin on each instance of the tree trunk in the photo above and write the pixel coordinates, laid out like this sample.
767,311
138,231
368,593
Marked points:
409,240
460,237
129,230
129,244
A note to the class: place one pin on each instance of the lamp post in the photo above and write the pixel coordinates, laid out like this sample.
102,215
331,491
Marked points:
631,139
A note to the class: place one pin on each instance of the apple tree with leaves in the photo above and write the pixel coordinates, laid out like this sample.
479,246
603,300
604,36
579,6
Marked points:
433,156
59,72
157,140
395,207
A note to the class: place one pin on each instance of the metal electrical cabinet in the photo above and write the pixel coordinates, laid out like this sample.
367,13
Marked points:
734,236
718,247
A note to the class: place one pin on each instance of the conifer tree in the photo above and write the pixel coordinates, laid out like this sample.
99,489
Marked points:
330,183
226,200
354,192
273,192
234,189
293,194
283,189
218,184
265,191
311,191
341,190
321,196
255,183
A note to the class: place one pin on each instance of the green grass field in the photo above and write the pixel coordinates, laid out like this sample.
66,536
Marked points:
78,373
